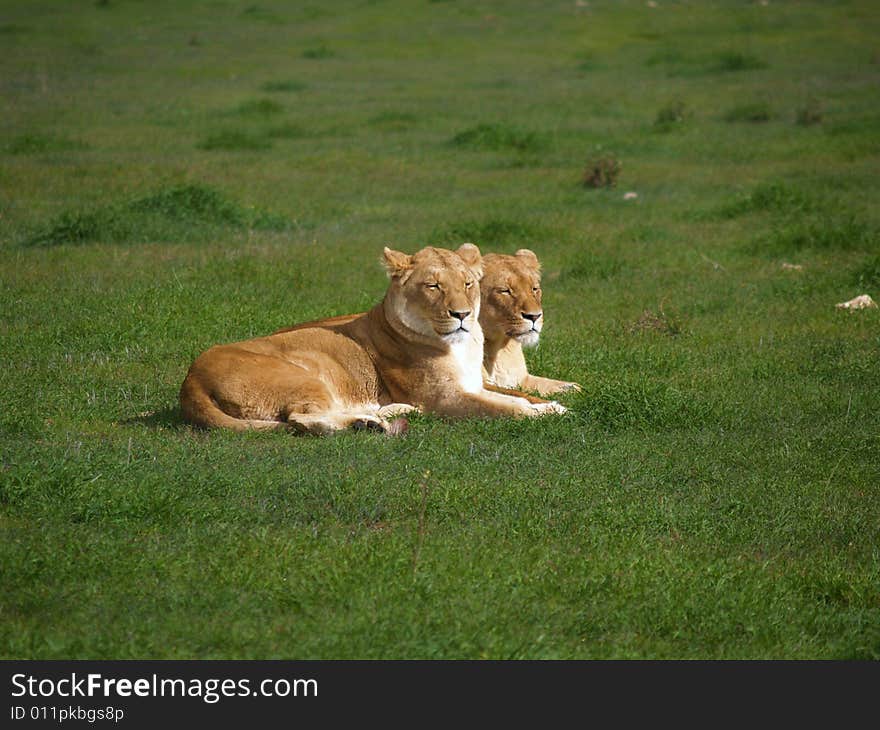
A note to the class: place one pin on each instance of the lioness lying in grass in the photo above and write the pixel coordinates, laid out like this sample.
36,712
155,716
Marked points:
511,316
421,347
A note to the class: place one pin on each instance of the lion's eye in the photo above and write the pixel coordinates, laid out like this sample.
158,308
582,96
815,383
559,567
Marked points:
505,291
468,284
536,289
432,286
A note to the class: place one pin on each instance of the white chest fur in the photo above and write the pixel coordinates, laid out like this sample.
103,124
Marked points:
468,357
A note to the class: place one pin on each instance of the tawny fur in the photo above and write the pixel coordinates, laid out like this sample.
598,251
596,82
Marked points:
505,330
511,316
409,351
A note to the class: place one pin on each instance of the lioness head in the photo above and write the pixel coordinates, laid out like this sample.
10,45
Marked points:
511,297
436,292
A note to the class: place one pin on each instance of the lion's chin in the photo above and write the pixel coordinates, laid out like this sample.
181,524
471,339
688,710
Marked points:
528,339
456,336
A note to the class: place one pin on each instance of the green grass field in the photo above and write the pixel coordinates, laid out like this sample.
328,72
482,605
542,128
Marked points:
174,175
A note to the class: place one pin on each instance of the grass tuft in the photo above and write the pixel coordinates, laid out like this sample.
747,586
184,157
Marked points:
192,202
234,139
868,124
770,197
77,228
286,131
731,61
822,233
680,63
282,86
670,116
255,12
754,112
867,276
601,172
666,57
318,52
174,213
491,233
498,137
32,144
259,108
587,62
810,114
394,121
661,322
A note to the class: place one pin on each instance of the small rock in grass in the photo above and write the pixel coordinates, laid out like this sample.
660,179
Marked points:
792,267
630,196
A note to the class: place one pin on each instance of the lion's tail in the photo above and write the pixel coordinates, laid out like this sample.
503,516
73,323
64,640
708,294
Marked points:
200,409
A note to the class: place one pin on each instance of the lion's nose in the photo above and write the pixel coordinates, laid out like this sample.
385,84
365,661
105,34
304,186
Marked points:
460,315
532,316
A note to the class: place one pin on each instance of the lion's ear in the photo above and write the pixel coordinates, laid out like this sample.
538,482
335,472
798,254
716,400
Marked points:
396,263
529,258
470,254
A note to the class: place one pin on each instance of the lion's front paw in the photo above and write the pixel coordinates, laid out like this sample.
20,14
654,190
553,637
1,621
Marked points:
543,409
392,410
552,387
